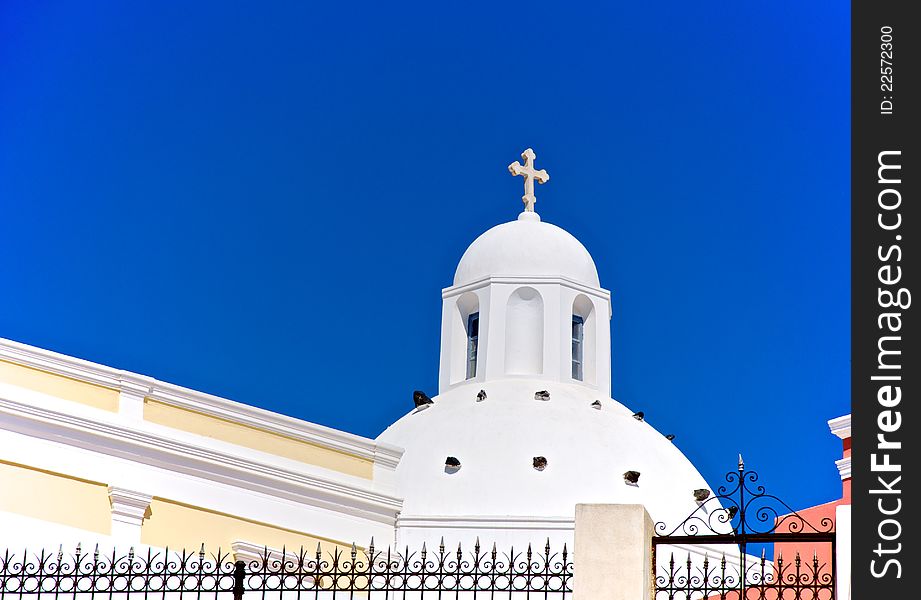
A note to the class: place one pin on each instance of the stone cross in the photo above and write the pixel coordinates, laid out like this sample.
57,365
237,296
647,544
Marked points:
527,171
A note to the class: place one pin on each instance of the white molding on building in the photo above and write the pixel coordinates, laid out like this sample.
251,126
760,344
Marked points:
452,291
129,508
134,388
44,417
844,467
841,426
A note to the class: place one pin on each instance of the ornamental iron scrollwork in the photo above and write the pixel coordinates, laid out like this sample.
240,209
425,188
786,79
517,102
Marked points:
719,578
718,533
158,575
444,570
89,574
742,506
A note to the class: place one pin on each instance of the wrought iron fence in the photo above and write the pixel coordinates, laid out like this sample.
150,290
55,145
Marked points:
338,573
740,515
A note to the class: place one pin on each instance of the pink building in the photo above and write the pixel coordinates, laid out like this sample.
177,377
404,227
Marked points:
836,512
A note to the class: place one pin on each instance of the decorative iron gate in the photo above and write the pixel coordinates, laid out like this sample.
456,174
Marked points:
707,556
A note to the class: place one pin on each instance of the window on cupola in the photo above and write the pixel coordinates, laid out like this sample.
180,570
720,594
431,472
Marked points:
473,334
578,339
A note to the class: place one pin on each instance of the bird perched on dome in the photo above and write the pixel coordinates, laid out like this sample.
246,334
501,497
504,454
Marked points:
542,395
631,477
481,395
596,404
638,415
701,494
670,436
421,399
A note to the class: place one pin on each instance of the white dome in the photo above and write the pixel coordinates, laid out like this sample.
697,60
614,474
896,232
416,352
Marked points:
527,247
588,450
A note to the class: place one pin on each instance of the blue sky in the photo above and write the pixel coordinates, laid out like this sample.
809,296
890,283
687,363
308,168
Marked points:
264,200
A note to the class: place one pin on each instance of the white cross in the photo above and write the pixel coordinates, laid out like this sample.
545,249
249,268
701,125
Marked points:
527,171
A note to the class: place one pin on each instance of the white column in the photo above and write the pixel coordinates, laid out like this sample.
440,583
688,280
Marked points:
613,552
128,510
843,551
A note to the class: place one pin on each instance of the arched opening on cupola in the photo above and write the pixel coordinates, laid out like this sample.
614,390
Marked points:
465,335
583,347
524,333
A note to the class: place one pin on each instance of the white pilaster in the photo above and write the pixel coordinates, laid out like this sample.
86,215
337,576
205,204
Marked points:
131,394
129,508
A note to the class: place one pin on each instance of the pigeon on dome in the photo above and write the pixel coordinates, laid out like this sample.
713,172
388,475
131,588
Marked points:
421,399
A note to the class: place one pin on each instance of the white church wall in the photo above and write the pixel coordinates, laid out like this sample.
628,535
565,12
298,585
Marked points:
507,532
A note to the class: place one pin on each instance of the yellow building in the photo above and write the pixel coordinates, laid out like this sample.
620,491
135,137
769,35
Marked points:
93,454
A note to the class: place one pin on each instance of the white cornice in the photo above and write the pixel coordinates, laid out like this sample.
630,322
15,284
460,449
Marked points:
129,506
45,360
841,426
231,468
517,279
60,364
844,467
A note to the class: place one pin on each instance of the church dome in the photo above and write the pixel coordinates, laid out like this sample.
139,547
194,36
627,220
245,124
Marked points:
523,427
499,442
527,247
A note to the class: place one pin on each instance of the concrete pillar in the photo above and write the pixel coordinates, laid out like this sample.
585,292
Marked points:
613,552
